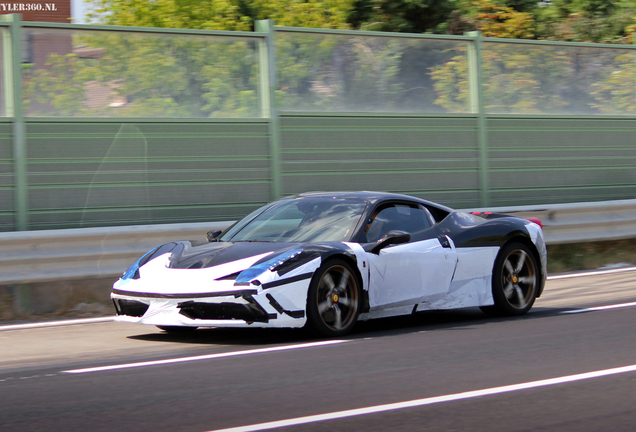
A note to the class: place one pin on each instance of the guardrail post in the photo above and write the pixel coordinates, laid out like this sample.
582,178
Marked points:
267,62
12,63
22,299
476,101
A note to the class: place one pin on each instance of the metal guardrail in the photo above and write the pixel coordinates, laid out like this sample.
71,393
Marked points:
38,256
580,222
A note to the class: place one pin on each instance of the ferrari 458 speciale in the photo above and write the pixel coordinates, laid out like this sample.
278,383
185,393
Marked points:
327,260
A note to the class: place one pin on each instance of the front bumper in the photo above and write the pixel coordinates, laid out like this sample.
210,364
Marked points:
281,307
208,297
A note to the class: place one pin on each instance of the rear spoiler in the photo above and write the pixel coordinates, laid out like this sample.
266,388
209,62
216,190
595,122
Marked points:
491,215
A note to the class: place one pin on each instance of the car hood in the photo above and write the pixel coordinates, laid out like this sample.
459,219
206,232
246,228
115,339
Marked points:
197,255
198,267
201,268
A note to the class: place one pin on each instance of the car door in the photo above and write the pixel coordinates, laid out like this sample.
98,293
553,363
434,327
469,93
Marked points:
411,273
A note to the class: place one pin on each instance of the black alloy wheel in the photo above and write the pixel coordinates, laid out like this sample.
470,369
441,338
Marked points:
515,281
333,302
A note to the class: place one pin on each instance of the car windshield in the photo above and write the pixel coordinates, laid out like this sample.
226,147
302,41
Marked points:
301,220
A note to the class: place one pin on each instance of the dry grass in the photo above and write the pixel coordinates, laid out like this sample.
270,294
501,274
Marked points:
587,256
59,299
6,305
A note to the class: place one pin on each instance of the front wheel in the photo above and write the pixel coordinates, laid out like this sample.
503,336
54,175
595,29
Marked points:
333,301
515,280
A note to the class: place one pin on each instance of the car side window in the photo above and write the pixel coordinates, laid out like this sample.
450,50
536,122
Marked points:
395,217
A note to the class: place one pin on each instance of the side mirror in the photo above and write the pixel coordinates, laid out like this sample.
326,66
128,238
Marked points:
213,235
390,238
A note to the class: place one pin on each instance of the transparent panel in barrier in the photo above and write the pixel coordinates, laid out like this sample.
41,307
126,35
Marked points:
348,73
119,74
4,50
566,80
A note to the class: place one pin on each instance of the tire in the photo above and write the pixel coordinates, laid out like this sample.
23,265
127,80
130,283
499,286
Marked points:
333,301
515,281
177,329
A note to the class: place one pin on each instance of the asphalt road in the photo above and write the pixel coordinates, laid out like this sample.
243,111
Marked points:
550,370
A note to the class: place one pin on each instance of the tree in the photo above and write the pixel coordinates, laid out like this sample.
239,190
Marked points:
407,16
220,14
500,21
516,79
616,93
521,5
155,75
508,73
336,73
58,85
585,20
188,76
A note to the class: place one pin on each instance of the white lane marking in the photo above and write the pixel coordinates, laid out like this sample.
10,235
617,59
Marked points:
428,401
27,377
592,273
55,323
600,308
205,357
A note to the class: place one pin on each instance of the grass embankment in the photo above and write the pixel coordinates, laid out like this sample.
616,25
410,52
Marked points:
587,256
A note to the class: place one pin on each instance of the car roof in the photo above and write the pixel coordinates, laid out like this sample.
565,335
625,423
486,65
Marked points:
370,196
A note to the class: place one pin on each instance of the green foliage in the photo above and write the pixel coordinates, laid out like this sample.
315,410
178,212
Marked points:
194,77
220,14
410,16
499,21
199,77
197,14
516,79
357,73
510,83
538,79
616,93
571,20
335,73
522,79
585,20
542,79
521,5
451,84
59,85
155,75
303,13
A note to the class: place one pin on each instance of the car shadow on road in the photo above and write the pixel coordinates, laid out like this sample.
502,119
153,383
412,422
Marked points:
382,327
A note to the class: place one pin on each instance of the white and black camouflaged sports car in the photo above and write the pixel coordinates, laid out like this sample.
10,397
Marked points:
327,260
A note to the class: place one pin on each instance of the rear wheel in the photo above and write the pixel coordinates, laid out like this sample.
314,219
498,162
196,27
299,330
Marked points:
515,280
333,302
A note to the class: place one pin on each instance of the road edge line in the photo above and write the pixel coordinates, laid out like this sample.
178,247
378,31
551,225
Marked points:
60,323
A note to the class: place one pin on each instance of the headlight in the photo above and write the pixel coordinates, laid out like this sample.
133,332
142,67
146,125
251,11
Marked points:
249,274
133,270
